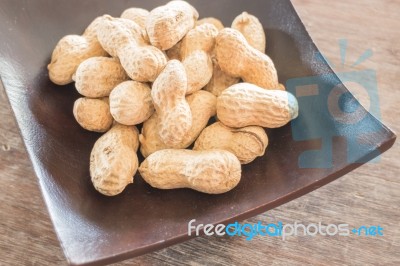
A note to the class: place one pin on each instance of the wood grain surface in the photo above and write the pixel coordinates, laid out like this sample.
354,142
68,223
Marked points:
368,196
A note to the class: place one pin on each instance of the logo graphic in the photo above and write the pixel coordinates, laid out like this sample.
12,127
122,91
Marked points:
327,110
250,230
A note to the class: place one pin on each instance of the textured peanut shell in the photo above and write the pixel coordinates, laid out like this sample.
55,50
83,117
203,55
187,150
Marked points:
114,33
245,143
168,94
219,80
131,103
203,107
252,30
167,25
70,51
124,39
199,69
245,104
238,59
212,172
195,53
97,76
137,15
214,21
200,38
93,114
113,160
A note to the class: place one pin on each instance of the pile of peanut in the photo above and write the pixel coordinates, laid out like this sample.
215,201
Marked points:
172,73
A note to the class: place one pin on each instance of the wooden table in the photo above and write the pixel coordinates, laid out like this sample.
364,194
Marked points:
368,196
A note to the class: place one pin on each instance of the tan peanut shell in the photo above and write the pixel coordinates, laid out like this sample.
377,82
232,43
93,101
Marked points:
97,76
214,21
137,15
113,160
213,172
245,104
70,51
93,114
219,80
245,143
167,25
252,30
168,94
238,59
115,33
196,51
126,40
203,107
131,103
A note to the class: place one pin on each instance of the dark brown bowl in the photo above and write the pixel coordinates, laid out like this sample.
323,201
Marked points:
318,147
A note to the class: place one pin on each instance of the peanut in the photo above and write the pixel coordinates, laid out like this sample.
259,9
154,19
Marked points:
114,33
93,114
219,80
168,94
113,160
203,107
124,39
167,25
245,143
97,76
252,30
70,51
213,172
195,53
130,103
137,15
200,38
216,22
246,104
238,59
